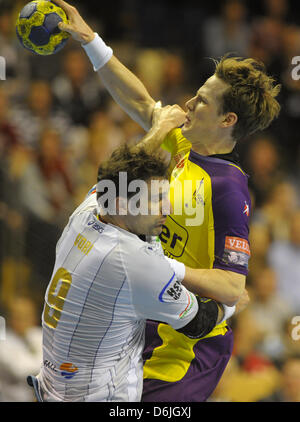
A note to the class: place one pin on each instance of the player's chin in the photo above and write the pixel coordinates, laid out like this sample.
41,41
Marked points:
185,128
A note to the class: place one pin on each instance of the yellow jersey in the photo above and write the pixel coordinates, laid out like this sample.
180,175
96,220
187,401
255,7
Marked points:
207,229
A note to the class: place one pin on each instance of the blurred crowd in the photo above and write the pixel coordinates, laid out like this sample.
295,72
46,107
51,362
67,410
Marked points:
57,123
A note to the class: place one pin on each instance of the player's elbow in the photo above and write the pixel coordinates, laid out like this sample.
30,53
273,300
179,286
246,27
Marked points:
204,321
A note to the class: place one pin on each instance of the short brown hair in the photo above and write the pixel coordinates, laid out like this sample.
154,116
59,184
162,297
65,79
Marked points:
251,94
137,163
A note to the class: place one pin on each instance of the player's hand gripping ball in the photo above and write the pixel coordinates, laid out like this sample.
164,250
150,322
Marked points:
37,27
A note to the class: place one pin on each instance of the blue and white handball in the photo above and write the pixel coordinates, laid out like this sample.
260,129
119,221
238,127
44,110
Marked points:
37,27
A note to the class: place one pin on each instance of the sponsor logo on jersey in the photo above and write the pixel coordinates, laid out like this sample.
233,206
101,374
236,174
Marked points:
179,159
237,244
96,226
179,165
246,209
236,251
198,194
175,290
172,290
50,365
68,370
148,250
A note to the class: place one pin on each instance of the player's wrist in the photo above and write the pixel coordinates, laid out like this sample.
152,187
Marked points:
88,38
161,130
228,312
168,126
97,51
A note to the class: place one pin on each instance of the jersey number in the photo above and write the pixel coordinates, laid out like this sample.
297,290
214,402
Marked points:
57,293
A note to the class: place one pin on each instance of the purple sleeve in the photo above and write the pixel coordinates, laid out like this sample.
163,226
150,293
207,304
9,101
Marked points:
231,221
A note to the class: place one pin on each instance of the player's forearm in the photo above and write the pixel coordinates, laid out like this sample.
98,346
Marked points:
128,91
223,286
125,88
152,141
122,84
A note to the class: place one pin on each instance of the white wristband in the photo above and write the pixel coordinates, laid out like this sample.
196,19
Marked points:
98,52
228,312
177,267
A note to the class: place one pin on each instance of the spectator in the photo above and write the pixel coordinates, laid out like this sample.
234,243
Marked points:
39,112
46,196
267,36
260,240
9,138
249,375
76,88
12,159
16,58
105,133
21,352
46,186
289,390
276,9
284,257
268,310
174,81
229,31
287,126
12,150
149,68
281,203
263,164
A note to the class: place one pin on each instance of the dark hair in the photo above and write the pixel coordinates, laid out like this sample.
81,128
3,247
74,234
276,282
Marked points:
137,163
251,94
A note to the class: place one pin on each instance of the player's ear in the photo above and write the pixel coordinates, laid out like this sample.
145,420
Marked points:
229,120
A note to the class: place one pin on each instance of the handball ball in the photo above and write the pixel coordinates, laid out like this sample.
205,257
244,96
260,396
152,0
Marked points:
37,27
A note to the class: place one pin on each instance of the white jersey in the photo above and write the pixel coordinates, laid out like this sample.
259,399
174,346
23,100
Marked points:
106,282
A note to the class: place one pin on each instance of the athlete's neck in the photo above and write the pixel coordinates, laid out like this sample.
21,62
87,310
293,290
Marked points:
115,221
214,148
213,145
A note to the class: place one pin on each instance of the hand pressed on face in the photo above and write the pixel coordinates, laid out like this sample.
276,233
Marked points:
170,116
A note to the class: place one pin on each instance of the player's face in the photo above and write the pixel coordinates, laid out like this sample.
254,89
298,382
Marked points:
156,201
203,119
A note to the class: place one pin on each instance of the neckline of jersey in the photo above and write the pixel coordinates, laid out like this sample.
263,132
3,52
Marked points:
232,157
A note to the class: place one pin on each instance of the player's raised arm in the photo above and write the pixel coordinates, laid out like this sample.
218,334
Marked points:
126,89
